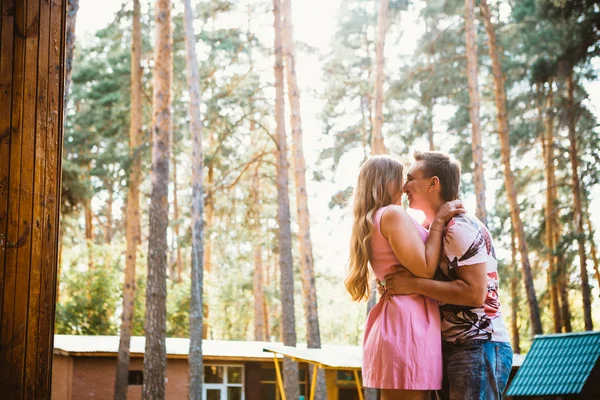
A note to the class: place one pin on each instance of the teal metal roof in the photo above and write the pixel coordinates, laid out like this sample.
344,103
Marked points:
557,364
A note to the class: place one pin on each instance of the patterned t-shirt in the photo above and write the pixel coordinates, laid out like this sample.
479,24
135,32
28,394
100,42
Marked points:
466,241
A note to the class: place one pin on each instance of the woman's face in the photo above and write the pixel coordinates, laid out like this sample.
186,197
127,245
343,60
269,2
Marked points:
416,186
395,190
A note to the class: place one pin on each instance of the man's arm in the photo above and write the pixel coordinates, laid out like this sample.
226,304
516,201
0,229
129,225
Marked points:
470,289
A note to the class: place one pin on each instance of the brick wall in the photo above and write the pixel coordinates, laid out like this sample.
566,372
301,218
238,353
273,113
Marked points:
86,378
62,369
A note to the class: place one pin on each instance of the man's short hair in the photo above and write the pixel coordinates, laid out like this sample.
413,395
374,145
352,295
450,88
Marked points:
445,167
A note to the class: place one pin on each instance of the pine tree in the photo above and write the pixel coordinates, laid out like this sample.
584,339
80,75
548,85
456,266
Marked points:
288,319
502,118
471,34
197,303
155,361
133,235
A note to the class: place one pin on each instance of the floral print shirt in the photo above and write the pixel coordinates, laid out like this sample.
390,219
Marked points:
466,241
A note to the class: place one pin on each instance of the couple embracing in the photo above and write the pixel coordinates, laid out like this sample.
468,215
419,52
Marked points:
438,324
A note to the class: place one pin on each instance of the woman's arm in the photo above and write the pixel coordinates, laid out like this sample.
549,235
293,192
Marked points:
421,259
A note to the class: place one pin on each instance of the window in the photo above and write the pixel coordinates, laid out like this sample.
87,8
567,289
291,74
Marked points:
223,382
135,378
268,383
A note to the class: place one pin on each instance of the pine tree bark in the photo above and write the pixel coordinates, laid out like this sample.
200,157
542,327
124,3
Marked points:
549,211
509,181
563,288
155,360
474,105
307,267
577,209
108,229
258,282
72,8
377,142
196,376
178,265
259,296
593,253
209,212
368,95
430,136
514,296
89,230
132,227
288,319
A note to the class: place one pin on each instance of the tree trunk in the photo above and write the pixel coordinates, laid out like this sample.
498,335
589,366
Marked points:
592,242
548,151
259,296
577,209
430,125
563,288
514,296
515,213
258,283
288,319
132,227
196,376
89,230
377,142
209,212
471,41
73,7
108,229
368,95
307,266
371,393
178,265
155,360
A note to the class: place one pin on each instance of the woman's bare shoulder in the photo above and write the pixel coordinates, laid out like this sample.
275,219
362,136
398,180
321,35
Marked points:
394,213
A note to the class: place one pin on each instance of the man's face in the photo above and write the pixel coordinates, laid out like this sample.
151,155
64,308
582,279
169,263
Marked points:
417,186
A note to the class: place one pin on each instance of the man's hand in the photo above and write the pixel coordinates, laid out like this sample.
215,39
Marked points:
400,282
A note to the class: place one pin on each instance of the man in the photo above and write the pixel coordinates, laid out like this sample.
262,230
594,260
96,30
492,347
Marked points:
476,348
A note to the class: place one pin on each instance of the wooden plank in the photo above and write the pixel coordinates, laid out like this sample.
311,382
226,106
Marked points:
23,247
56,70
14,182
39,207
31,93
6,88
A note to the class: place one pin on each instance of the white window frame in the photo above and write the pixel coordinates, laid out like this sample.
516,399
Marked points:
223,386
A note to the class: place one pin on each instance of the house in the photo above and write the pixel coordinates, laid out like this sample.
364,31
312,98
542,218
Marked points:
560,366
84,367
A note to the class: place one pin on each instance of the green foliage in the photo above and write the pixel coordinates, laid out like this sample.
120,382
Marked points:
89,303
540,41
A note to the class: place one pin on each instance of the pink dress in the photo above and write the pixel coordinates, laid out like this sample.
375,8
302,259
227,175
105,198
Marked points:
402,347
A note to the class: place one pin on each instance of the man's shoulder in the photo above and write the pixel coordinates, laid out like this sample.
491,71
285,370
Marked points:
464,222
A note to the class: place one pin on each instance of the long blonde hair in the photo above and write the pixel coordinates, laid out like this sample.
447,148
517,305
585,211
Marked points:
370,194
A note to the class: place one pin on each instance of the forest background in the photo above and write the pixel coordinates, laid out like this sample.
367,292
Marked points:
426,101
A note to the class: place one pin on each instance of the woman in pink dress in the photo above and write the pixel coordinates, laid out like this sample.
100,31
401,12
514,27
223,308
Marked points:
402,347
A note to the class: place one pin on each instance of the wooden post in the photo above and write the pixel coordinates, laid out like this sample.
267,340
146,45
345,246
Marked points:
313,383
358,385
32,64
279,378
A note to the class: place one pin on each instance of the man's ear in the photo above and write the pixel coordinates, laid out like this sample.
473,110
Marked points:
435,182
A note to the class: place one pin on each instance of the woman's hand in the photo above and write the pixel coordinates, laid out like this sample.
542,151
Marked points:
448,211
